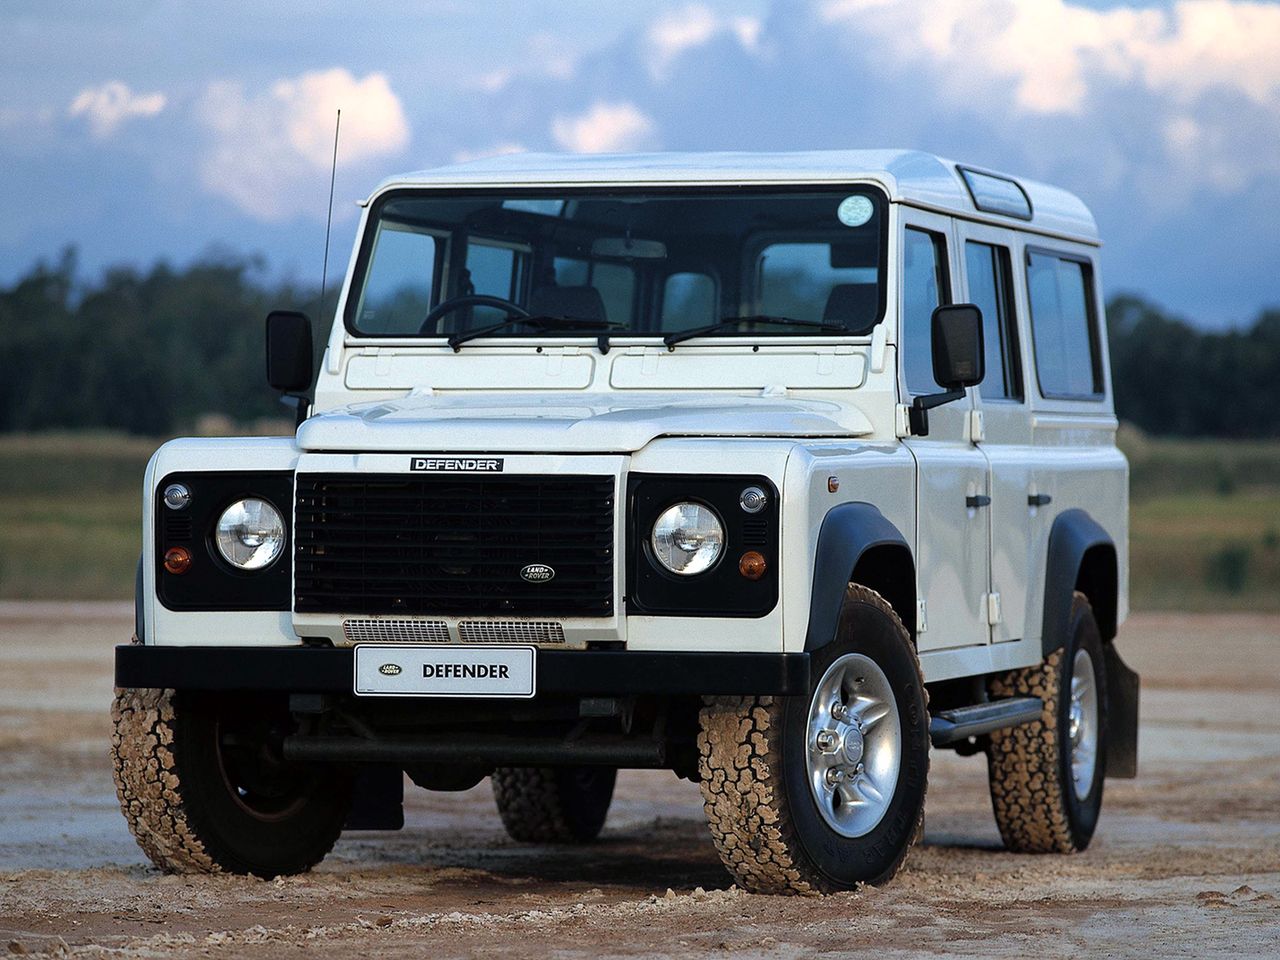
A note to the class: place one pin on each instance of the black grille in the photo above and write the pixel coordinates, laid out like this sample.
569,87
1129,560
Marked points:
453,545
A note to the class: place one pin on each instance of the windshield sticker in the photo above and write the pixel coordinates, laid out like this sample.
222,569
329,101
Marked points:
855,211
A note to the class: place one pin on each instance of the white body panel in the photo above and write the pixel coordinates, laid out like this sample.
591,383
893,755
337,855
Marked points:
820,416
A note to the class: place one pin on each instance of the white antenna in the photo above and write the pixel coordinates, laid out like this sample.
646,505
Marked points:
328,226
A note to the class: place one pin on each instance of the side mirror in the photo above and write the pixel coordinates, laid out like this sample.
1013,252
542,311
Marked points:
958,360
289,363
958,355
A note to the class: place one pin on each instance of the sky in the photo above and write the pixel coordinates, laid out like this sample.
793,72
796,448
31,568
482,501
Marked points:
139,131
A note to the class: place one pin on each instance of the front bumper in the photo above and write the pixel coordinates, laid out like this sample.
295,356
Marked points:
587,672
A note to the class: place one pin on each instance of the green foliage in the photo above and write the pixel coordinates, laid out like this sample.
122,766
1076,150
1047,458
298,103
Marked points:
1228,568
147,353
1172,379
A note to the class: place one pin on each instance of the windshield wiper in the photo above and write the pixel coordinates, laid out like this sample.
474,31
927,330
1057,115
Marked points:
540,322
724,323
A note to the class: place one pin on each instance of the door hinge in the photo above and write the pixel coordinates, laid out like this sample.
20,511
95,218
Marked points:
977,429
922,616
994,615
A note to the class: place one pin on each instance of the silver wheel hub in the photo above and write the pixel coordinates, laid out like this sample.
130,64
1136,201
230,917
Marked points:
854,748
1082,724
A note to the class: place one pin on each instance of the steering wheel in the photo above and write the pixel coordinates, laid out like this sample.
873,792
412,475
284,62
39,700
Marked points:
470,300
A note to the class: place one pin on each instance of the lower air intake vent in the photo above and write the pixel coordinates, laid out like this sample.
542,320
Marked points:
510,631
396,631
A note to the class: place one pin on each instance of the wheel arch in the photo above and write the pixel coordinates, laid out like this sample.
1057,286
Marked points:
1082,556
857,543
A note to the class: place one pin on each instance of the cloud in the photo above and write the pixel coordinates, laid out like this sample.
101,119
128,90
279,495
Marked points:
268,149
604,128
107,106
675,33
1055,53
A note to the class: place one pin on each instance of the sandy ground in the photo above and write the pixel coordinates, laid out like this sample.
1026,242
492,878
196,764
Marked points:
1186,861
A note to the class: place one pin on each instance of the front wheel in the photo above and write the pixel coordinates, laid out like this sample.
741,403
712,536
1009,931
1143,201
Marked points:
205,789
1046,776
817,793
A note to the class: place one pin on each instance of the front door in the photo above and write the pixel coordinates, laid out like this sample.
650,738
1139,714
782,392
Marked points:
953,495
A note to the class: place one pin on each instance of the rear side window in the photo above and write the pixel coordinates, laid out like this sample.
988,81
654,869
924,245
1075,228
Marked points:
1064,330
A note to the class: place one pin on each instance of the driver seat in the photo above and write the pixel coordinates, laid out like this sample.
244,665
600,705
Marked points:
576,303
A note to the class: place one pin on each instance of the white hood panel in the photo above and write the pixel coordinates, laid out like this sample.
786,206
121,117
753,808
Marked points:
568,423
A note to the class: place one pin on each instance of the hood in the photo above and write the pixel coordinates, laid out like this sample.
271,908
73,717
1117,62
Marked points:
568,423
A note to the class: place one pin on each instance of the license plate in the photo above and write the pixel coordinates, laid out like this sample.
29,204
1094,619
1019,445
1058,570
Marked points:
445,671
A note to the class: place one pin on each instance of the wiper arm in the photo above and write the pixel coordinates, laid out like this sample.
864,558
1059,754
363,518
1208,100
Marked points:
541,322
724,323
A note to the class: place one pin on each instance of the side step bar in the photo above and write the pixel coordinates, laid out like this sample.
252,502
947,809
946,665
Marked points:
961,723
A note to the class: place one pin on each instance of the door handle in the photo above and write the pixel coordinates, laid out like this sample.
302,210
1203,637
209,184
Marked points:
978,501
1039,500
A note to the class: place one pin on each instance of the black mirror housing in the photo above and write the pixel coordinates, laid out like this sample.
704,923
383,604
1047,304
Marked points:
958,354
289,358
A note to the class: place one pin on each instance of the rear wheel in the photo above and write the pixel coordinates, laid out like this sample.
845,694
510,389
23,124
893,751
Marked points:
1047,776
816,793
553,804
204,786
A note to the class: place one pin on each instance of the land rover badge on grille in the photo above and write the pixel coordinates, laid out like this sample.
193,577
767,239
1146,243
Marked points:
537,573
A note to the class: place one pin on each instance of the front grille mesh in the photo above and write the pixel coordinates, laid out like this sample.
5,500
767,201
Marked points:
510,631
396,631
449,545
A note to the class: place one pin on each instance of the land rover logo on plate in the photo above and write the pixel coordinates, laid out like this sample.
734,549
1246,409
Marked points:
390,670
537,573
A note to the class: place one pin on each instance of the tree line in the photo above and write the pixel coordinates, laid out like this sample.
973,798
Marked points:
149,352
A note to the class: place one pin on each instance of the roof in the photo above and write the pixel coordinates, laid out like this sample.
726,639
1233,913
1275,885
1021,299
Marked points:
909,176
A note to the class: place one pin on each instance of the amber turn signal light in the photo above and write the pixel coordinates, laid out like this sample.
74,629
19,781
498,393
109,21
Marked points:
752,565
177,559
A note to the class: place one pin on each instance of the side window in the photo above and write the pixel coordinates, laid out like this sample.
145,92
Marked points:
924,287
397,293
990,275
1063,326
836,283
688,300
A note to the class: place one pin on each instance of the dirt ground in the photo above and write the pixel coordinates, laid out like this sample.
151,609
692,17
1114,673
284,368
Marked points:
1186,861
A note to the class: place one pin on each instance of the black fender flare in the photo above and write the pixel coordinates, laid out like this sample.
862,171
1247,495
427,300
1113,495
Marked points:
1073,534
849,531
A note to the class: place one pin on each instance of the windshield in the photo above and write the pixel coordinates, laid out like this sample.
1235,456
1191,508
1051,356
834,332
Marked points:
634,262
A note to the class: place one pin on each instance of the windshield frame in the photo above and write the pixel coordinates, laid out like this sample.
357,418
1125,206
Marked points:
533,191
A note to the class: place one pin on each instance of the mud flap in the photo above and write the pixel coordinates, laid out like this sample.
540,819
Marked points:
1122,717
377,801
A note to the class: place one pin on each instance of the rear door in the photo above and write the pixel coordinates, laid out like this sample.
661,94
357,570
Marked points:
990,256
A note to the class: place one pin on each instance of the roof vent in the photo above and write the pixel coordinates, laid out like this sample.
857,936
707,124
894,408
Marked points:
993,194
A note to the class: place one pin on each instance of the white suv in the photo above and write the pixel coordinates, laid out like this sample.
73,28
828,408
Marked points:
771,470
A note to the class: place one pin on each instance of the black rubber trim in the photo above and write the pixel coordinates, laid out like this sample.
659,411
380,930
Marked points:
848,531
330,669
1072,535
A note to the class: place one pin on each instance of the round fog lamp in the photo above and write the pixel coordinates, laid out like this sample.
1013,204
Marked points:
687,538
250,534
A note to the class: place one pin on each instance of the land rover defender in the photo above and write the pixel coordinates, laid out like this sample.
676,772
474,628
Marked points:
776,471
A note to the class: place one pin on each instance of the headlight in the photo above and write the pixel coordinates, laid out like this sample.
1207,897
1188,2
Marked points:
687,538
250,534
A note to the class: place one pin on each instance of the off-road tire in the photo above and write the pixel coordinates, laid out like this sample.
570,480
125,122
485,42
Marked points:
1029,766
763,818
178,801
553,804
